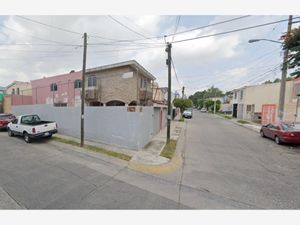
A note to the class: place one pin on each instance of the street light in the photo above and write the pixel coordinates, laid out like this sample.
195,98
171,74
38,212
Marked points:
262,39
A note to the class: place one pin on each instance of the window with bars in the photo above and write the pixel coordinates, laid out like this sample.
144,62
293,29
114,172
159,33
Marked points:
77,84
92,81
53,87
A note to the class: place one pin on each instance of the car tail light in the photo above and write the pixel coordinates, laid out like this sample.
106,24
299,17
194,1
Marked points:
292,135
33,130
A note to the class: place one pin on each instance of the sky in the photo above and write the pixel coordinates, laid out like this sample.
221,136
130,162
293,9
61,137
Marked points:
31,50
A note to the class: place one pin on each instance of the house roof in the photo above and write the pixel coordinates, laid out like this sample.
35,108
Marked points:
131,63
16,82
73,73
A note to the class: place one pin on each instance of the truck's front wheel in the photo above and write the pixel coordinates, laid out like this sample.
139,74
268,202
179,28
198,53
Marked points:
26,137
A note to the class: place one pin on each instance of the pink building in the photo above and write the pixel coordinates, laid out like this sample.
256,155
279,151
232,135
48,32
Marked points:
60,90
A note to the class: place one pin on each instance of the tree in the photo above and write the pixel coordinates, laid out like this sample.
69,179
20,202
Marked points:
268,82
182,103
209,93
291,41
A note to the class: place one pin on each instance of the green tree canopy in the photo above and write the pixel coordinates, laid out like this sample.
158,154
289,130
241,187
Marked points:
291,41
182,103
209,93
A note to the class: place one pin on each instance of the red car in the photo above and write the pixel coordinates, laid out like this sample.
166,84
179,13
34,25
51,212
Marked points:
282,132
5,119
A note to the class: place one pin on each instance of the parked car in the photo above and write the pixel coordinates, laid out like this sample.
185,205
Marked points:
31,127
204,110
187,114
282,132
5,119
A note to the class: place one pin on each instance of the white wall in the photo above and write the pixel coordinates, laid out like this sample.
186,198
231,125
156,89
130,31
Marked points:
109,125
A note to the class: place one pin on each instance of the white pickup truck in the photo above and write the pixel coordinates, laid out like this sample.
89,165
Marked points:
31,127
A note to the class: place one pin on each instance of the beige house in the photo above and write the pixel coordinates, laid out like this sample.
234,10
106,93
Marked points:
248,101
19,88
160,95
125,83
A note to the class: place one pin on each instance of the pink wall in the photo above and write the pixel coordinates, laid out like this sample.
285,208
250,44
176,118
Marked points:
21,100
66,93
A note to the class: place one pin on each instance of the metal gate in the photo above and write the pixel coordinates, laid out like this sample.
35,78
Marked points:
268,112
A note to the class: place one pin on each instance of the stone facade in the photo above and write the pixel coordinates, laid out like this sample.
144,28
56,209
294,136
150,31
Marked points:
119,85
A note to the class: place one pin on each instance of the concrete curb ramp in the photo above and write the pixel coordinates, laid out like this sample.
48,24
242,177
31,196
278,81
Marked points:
168,167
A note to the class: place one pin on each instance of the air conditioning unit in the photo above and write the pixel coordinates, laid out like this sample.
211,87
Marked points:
90,94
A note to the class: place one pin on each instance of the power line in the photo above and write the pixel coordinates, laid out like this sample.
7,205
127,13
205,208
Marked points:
209,25
42,44
66,30
132,22
232,31
176,27
175,72
51,26
128,28
262,75
33,36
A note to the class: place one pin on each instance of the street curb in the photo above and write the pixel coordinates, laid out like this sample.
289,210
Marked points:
171,166
239,124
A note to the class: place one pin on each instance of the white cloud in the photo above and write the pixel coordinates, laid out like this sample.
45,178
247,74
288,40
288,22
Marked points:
197,62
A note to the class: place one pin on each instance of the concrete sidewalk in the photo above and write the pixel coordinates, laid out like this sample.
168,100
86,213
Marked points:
250,125
150,154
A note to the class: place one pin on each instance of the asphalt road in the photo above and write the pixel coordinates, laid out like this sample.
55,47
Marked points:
235,168
49,175
225,167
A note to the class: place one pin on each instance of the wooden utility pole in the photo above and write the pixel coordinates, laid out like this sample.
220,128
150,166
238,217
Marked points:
283,75
83,91
183,92
169,63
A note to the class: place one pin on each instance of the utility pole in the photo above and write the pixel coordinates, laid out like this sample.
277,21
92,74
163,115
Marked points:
215,102
169,62
83,91
283,76
183,92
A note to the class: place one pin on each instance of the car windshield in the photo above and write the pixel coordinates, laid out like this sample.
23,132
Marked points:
291,127
30,119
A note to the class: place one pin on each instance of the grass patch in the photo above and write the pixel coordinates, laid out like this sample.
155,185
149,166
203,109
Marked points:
169,149
225,116
181,119
243,122
94,149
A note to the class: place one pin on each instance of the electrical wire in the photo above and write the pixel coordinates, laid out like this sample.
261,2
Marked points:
33,36
175,72
176,27
128,28
42,44
209,25
232,31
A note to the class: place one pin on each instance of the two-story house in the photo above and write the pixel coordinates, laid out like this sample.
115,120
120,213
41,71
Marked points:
119,84
260,102
59,90
238,103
